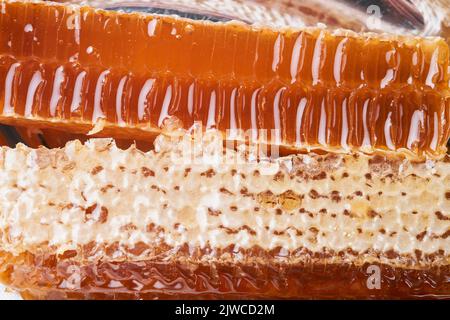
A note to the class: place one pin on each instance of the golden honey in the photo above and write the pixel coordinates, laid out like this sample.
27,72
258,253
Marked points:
114,74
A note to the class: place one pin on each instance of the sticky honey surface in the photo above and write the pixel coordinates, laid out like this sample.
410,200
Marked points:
88,70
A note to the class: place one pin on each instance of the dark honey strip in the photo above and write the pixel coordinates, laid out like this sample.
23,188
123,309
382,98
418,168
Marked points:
9,136
72,65
50,277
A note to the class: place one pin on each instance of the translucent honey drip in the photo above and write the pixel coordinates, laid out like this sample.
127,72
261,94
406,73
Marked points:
71,68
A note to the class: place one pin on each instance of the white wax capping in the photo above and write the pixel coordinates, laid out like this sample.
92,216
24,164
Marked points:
194,193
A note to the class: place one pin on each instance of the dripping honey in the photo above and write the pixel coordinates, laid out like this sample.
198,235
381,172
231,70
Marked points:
71,67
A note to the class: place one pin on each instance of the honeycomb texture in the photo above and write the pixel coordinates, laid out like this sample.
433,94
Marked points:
80,70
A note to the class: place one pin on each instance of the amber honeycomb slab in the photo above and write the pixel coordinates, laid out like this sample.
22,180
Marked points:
59,277
72,67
